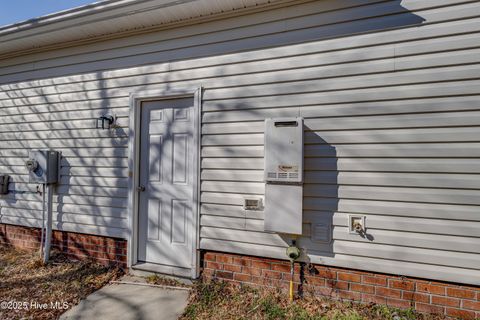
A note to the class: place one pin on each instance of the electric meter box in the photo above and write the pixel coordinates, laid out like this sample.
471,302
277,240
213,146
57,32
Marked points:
43,166
284,150
283,175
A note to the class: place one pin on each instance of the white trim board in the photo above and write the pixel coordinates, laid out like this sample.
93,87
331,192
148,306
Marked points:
136,98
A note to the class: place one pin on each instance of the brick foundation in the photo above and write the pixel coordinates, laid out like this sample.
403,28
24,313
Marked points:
105,250
402,292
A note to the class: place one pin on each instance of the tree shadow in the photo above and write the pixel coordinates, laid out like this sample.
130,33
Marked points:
90,173
339,22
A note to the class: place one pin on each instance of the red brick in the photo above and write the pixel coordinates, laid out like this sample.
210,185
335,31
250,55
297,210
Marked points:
473,305
428,308
267,260
368,298
224,259
380,281
224,274
342,285
209,257
397,303
252,271
272,274
387,292
349,277
315,281
362,288
281,267
460,293
261,265
214,265
425,287
462,314
242,262
446,301
416,296
401,284
327,274
108,242
232,267
78,246
242,277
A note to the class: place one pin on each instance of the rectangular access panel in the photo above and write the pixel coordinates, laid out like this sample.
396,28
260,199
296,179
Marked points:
283,208
283,175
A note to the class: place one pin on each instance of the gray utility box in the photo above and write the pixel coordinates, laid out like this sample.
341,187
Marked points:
43,166
284,175
4,178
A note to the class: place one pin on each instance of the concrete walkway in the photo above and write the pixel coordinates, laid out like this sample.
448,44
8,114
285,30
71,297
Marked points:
130,302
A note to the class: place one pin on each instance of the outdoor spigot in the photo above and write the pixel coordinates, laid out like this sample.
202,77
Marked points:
358,227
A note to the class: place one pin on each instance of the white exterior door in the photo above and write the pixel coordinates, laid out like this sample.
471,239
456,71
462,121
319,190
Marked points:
166,218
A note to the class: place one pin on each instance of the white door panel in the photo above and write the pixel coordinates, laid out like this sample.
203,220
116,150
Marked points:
166,215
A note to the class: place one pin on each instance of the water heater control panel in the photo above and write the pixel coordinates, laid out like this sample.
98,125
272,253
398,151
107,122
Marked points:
284,150
43,166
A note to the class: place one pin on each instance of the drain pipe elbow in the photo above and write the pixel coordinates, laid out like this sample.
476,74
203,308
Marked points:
293,253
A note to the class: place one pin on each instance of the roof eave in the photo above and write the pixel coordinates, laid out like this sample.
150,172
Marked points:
75,25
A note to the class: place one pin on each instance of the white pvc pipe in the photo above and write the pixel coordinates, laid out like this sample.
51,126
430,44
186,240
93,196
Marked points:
42,237
48,232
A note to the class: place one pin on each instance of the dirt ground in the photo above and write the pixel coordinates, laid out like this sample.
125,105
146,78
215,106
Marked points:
220,300
33,291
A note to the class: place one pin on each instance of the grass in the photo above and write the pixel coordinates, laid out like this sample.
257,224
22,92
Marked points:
35,291
221,300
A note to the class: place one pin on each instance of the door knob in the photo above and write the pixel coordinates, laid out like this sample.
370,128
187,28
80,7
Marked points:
141,188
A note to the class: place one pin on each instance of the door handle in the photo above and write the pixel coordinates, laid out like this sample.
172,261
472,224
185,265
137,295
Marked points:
141,188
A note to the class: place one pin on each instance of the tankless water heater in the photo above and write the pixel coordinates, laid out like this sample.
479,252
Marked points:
283,175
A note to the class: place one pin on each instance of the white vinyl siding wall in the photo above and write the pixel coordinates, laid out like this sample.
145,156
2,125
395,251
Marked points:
392,128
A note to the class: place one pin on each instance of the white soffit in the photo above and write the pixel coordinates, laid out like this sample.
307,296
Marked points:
110,17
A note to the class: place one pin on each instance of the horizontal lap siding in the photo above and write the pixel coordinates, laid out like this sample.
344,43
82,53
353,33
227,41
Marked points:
409,162
391,128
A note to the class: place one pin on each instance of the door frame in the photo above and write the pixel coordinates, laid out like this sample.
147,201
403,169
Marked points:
134,136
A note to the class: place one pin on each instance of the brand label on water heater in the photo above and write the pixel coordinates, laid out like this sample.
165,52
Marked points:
287,168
